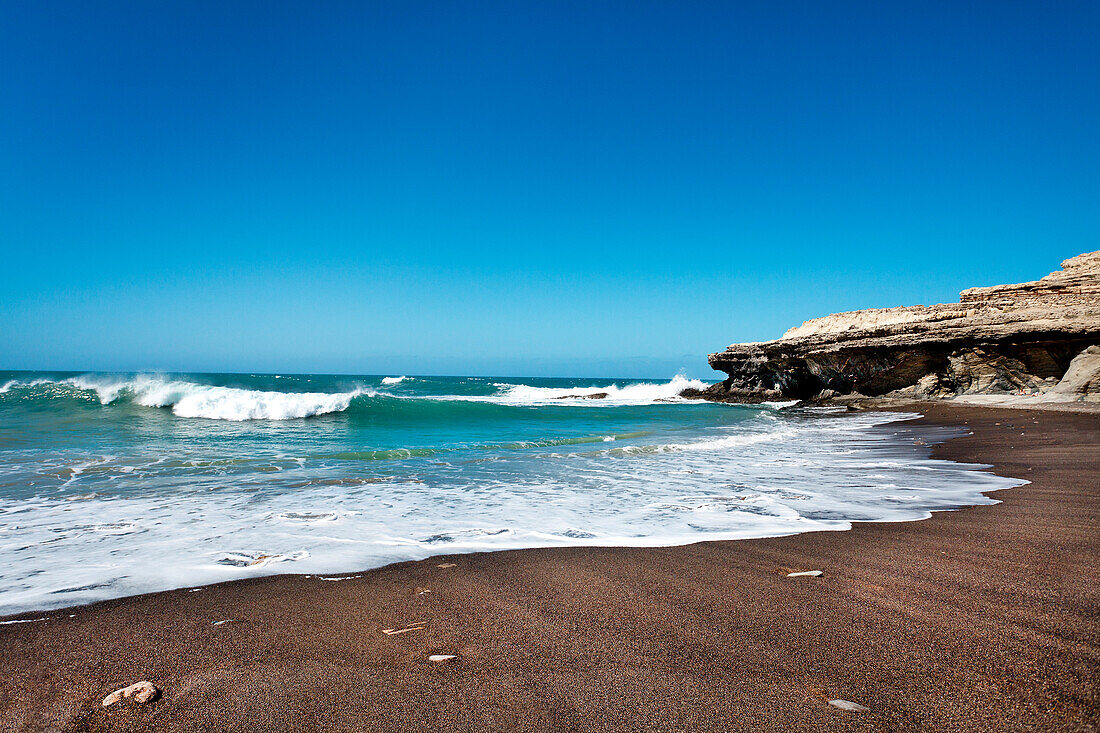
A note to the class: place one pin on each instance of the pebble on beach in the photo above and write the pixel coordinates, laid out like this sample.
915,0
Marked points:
141,692
806,574
412,627
852,707
441,657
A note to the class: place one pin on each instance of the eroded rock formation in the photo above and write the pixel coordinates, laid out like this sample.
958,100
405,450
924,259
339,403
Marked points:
1006,339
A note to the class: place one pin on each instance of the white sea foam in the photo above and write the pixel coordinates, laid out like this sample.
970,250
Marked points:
644,393
736,441
185,521
16,384
227,403
107,388
189,399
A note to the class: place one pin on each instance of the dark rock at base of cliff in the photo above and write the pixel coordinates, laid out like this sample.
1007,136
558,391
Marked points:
919,371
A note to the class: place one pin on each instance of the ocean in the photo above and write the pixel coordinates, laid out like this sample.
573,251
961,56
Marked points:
118,484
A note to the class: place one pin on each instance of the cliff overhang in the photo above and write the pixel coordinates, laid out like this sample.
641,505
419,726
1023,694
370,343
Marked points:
1019,339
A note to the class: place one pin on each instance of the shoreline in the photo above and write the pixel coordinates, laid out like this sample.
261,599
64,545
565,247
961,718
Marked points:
899,415
980,617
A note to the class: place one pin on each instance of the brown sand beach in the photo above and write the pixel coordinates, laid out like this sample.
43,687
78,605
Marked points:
985,618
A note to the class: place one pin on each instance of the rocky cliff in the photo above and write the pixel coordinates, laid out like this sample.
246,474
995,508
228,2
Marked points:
1038,338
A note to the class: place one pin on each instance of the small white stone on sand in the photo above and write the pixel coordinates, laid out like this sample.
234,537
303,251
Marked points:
445,565
223,621
441,657
806,574
852,707
142,692
419,626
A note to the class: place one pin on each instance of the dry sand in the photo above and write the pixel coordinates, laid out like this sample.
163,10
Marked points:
986,618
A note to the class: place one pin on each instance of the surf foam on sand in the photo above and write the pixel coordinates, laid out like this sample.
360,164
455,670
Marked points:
195,502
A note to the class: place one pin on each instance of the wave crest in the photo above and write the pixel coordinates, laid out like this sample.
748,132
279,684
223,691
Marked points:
644,393
229,403
196,400
189,399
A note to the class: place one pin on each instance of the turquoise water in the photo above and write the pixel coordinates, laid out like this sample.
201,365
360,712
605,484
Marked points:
118,484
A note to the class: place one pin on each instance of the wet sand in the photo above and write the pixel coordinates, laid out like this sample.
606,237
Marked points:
985,618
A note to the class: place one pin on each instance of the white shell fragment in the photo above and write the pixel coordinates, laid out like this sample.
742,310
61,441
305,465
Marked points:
445,565
806,574
852,707
142,692
441,657
413,627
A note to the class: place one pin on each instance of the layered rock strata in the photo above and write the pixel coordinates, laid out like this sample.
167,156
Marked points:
1038,338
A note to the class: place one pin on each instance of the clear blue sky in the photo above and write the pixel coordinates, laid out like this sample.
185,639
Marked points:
583,188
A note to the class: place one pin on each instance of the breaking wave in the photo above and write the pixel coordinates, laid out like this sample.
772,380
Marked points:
195,400
189,399
644,393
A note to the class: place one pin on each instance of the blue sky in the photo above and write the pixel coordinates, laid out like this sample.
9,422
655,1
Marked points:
583,188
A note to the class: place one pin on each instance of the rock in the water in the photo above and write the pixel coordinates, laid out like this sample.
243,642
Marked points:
590,396
850,706
140,692
1006,339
